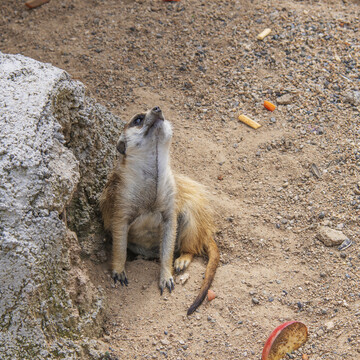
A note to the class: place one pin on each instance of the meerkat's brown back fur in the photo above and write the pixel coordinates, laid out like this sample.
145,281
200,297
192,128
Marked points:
196,237
107,199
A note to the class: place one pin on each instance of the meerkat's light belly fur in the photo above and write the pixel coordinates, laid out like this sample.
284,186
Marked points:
146,230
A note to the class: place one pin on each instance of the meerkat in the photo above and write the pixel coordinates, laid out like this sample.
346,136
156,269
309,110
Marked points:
152,211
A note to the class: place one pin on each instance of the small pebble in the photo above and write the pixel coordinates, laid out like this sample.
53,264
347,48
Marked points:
345,244
330,237
353,97
329,325
284,99
165,342
182,279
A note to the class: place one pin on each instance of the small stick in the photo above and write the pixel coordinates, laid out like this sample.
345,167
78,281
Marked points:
246,120
264,34
31,4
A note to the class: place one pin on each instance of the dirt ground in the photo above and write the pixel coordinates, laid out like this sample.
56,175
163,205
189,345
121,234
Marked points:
272,188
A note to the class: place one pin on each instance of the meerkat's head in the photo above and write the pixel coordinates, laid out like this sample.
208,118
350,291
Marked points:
143,131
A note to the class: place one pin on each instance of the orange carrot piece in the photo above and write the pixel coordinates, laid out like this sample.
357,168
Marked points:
270,106
211,295
35,3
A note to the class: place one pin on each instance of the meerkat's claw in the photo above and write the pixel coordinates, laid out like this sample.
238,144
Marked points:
167,284
172,285
122,282
121,278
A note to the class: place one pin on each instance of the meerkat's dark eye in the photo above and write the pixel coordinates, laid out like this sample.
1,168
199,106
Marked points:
137,120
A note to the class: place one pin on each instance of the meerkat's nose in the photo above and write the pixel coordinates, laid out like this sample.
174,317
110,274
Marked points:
156,110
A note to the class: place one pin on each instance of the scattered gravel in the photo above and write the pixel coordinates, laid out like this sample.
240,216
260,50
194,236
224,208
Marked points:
200,61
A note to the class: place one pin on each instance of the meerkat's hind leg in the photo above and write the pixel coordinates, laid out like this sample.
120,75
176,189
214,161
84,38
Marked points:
183,261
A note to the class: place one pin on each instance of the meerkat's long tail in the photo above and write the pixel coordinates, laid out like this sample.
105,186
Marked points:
214,257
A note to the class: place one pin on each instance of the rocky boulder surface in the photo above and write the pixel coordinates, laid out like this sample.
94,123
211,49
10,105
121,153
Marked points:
56,146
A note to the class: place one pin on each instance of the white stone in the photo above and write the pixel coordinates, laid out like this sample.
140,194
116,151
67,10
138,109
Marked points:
183,278
330,325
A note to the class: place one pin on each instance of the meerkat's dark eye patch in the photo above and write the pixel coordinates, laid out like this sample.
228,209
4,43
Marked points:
137,120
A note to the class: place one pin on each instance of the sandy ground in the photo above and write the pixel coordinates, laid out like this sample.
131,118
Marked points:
271,188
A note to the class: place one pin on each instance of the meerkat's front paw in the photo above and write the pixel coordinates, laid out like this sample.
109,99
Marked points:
121,277
166,281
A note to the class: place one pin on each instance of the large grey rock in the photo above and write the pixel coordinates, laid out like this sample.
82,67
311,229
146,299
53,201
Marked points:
91,132
55,149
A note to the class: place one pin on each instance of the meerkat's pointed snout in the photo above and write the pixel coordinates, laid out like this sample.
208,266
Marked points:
156,113
156,110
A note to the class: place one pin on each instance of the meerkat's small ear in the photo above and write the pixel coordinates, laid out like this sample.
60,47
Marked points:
121,146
